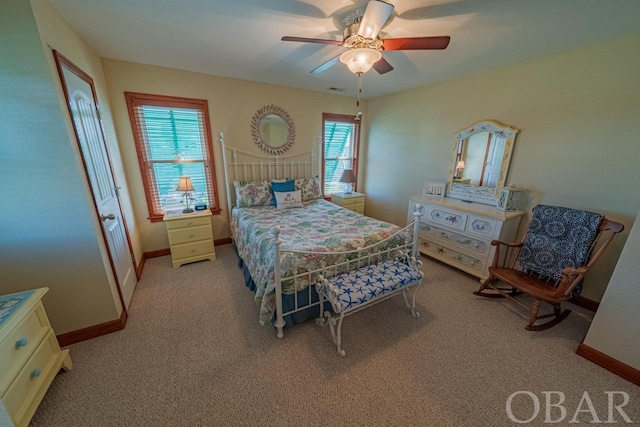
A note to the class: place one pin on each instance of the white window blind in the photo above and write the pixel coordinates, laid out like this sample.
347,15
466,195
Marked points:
340,139
172,140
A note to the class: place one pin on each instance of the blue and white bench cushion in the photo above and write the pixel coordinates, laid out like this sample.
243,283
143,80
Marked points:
360,286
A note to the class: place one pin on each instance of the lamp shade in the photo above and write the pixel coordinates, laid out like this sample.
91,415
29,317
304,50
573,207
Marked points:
348,176
184,184
360,60
461,164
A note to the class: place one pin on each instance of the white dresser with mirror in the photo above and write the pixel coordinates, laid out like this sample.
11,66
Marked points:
459,233
458,229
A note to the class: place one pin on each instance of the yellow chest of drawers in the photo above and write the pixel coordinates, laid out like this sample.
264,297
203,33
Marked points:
30,356
353,202
190,237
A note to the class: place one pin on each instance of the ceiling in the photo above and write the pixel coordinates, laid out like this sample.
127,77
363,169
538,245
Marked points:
241,38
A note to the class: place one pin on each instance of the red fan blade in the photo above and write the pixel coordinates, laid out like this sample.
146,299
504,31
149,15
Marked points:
417,43
307,40
330,63
382,66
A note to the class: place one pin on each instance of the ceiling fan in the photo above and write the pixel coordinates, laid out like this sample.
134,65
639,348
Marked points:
365,46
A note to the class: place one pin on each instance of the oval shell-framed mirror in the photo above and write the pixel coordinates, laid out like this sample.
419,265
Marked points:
272,129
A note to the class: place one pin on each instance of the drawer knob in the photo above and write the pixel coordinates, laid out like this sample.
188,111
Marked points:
191,236
22,342
189,224
193,250
36,373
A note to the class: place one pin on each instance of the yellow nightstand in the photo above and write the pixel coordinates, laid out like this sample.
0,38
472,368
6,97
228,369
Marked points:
30,356
353,202
190,237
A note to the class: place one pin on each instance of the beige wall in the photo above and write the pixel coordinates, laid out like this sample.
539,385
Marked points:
615,330
48,226
232,104
57,34
578,143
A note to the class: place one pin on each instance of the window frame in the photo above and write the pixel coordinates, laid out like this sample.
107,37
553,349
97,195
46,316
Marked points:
343,118
135,100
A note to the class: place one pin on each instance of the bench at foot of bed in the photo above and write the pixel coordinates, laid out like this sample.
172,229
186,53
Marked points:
355,290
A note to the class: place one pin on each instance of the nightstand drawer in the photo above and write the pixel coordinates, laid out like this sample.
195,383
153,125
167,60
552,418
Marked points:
16,348
358,207
188,222
191,234
350,201
189,250
31,378
354,201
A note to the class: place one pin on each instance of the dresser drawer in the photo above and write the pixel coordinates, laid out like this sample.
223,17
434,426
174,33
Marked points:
31,379
190,234
453,257
189,250
483,226
446,217
478,246
188,222
20,343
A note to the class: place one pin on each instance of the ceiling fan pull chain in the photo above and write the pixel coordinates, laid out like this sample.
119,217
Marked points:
359,89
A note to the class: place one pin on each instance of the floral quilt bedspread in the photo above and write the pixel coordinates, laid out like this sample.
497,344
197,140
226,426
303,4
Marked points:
318,226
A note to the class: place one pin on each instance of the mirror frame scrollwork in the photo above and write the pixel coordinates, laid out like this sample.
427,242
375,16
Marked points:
492,127
257,137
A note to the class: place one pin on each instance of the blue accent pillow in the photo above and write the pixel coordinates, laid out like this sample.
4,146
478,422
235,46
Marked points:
289,185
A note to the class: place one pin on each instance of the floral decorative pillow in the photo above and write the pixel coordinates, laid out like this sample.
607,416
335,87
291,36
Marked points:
257,193
310,188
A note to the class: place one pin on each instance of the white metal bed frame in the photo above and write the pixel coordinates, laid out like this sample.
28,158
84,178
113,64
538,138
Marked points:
245,166
357,259
240,165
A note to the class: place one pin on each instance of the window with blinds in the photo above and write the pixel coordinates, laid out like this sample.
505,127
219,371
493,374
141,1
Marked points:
340,136
173,139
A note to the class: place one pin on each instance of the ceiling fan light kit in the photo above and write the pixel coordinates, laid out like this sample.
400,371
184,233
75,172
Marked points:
361,37
360,60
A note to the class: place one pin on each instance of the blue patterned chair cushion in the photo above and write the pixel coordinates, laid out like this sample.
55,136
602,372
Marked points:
558,237
365,284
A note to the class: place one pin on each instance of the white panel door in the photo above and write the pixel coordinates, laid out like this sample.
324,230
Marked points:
80,96
494,161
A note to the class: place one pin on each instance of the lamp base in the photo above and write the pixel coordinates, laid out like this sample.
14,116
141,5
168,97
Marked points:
347,192
187,211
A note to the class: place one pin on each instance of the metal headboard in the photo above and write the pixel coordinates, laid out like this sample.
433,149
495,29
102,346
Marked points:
241,165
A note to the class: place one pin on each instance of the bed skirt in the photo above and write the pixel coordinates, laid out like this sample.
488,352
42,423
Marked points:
288,301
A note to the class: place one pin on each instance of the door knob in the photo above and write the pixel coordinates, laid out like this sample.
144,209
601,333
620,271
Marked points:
106,217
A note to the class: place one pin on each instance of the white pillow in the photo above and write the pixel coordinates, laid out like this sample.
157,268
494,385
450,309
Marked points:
288,199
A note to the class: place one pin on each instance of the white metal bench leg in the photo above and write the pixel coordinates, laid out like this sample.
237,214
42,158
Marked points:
412,306
321,320
336,332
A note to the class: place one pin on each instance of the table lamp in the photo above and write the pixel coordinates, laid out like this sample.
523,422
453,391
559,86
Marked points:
184,184
349,178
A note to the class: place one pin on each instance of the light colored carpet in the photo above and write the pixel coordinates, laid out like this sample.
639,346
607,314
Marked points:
193,354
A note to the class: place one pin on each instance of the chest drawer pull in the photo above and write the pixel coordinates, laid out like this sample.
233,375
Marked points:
22,342
36,373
